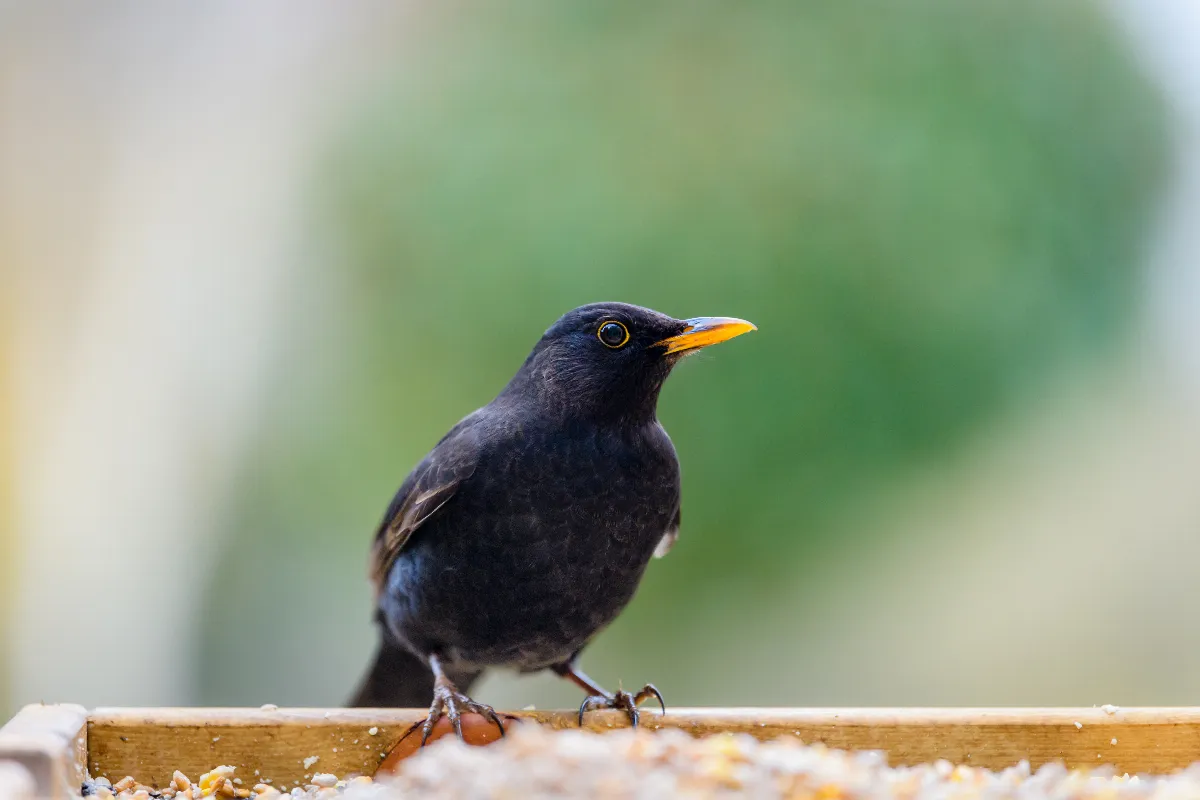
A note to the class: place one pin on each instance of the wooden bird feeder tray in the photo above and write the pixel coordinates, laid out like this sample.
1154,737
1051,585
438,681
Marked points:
55,745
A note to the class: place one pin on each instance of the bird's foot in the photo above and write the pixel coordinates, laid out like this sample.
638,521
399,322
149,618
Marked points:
450,702
623,701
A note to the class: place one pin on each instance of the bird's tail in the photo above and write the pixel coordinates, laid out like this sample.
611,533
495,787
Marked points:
398,679
395,679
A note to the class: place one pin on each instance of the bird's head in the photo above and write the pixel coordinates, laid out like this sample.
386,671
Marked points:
609,360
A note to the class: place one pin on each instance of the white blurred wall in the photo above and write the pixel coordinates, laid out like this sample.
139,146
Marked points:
151,166
1164,34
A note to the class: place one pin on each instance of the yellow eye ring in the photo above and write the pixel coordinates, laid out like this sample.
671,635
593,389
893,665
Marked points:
612,334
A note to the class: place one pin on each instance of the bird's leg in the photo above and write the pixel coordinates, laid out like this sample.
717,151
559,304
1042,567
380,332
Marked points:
598,698
448,700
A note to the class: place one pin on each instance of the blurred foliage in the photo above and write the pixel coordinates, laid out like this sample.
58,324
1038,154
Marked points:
926,207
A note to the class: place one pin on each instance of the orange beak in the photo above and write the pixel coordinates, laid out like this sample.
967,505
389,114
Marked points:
704,331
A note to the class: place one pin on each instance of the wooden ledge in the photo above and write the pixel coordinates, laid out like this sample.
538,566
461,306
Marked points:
286,745
151,743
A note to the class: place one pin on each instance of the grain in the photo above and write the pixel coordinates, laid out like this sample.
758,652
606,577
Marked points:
534,762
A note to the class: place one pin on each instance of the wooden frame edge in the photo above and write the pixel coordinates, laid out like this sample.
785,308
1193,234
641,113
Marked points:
16,782
48,742
288,744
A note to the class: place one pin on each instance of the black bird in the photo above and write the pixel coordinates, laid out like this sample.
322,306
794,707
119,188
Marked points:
527,529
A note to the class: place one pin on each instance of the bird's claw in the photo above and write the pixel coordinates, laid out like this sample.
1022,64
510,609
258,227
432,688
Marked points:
623,701
453,703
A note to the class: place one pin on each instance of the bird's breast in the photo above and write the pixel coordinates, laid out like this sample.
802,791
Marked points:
545,548
591,487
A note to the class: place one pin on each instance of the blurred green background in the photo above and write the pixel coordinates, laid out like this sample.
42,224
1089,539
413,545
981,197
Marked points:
933,211
924,208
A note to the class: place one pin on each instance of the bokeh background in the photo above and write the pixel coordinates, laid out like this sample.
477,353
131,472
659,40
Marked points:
256,258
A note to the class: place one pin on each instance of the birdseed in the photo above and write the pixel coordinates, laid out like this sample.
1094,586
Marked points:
533,762
220,783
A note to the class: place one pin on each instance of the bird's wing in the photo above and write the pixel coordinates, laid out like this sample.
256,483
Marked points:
426,490
668,540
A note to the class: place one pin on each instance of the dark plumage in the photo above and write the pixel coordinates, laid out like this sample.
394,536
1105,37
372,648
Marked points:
526,530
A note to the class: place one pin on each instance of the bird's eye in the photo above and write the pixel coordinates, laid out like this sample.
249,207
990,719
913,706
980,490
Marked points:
613,334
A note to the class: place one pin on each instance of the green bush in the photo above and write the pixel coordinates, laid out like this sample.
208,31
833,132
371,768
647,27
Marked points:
926,207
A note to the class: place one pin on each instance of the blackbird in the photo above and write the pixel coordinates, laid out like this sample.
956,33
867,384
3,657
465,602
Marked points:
527,528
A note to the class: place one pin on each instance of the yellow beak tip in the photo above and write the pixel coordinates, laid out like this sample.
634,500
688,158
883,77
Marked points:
706,331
